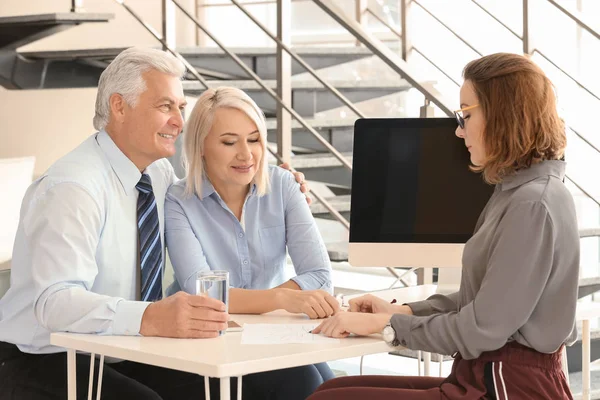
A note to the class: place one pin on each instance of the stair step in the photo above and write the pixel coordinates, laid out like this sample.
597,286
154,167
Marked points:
588,286
317,160
340,203
337,131
308,96
317,123
17,31
82,67
338,251
212,60
589,232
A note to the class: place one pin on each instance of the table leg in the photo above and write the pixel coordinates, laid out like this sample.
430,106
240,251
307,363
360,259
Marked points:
206,388
239,391
585,370
71,375
426,363
225,392
91,380
100,373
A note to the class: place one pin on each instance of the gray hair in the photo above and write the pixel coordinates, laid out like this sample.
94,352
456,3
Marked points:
124,76
199,125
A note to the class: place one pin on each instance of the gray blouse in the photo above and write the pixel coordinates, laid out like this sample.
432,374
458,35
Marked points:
519,276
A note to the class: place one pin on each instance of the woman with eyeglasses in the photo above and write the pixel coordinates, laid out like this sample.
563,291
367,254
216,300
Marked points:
515,311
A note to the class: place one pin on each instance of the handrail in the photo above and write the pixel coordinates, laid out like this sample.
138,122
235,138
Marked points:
158,37
536,50
566,73
575,18
448,28
336,214
301,61
267,89
391,28
384,53
593,146
520,37
439,69
582,190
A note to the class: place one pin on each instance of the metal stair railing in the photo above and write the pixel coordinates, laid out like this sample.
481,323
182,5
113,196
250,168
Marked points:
158,37
525,38
300,61
399,35
385,54
267,89
575,18
335,213
338,216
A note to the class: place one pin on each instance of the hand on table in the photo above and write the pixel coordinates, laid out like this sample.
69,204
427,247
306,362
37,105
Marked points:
375,305
184,316
314,303
344,323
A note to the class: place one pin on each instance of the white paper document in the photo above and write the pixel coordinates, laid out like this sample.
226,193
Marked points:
283,334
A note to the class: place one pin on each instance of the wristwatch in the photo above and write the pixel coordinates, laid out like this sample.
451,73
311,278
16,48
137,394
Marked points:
389,335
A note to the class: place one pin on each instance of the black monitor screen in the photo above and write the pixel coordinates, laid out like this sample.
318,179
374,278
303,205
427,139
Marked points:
411,183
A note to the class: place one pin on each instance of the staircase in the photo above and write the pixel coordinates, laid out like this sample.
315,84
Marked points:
378,91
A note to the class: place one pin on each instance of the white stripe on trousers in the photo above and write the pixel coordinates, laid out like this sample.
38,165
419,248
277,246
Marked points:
495,384
501,380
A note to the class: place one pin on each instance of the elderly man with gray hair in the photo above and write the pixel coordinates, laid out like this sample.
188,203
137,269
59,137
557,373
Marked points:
89,253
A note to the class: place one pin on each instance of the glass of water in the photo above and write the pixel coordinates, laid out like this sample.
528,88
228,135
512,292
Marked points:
214,284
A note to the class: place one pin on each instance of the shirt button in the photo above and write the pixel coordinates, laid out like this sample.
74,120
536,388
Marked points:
245,262
241,235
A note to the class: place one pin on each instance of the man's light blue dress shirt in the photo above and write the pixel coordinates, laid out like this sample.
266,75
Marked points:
75,265
202,234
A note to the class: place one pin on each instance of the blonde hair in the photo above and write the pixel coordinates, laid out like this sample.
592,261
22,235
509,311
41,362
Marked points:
522,125
199,125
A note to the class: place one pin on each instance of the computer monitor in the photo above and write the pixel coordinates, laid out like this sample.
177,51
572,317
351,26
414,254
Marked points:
414,202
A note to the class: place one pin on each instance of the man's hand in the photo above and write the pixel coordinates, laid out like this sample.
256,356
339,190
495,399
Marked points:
300,179
375,305
343,324
185,316
314,303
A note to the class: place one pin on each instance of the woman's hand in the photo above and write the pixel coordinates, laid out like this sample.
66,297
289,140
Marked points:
344,323
300,179
375,305
314,303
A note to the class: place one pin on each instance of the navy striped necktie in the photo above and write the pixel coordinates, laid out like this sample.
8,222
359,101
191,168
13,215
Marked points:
149,241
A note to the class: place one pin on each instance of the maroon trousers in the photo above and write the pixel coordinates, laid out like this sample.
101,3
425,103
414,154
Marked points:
512,372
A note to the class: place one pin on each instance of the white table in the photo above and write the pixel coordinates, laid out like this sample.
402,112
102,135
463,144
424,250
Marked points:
226,357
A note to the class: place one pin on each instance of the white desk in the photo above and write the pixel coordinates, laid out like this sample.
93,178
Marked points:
226,357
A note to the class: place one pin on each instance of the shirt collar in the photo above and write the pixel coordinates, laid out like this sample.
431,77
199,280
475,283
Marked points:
208,188
123,167
554,168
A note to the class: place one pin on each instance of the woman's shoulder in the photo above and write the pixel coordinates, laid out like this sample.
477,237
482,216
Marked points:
177,189
280,177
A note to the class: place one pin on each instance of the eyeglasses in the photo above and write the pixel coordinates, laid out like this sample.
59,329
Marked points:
459,115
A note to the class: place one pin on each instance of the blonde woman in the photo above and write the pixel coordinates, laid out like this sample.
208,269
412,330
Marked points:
234,212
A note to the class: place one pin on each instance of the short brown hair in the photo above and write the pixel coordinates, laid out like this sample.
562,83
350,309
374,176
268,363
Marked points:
522,126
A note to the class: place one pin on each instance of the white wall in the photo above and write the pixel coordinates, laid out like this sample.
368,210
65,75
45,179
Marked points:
49,123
